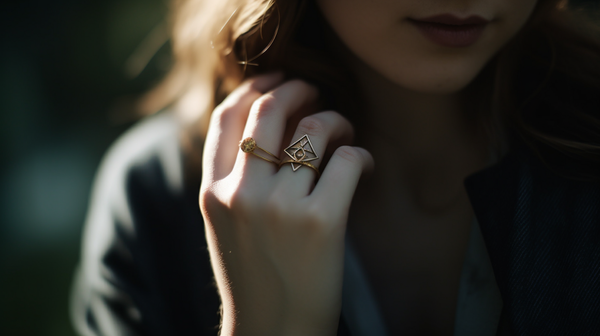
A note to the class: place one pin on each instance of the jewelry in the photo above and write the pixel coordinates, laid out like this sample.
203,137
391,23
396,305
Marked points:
248,145
304,163
301,151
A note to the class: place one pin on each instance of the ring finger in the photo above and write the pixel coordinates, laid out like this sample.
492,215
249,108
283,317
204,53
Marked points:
266,124
311,139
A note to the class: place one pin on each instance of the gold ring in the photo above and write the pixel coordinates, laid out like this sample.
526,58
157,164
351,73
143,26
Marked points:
304,163
301,151
248,145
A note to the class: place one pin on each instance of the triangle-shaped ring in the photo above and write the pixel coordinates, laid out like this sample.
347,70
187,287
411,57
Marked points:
301,150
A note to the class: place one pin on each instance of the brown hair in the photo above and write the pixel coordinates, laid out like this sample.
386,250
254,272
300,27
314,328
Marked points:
543,86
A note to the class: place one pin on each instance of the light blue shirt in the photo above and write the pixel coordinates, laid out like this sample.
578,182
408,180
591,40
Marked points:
479,302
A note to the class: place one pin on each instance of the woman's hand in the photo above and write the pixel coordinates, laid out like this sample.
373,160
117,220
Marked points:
276,243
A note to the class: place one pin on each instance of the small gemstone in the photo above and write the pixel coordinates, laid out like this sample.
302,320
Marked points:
300,154
248,145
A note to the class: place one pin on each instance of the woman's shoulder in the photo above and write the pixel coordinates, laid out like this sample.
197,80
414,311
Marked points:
151,148
140,187
144,265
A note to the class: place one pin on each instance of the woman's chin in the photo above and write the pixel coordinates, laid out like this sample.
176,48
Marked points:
436,82
444,86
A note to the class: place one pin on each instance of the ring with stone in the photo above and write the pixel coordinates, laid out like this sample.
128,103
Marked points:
249,145
301,152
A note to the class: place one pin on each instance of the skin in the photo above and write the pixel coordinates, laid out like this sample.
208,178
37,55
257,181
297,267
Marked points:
276,237
414,211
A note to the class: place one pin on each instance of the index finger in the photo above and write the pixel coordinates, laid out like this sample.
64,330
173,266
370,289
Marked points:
227,124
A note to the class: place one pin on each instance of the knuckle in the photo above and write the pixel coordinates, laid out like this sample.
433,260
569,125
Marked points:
340,123
299,85
336,116
219,110
341,120
241,200
311,125
264,105
206,199
350,154
223,113
234,105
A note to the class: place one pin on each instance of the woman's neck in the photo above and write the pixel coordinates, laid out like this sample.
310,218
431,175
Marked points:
419,124
424,144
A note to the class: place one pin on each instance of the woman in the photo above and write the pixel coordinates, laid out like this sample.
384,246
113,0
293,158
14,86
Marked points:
308,96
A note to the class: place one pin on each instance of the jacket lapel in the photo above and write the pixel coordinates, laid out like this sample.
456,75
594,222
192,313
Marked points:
542,233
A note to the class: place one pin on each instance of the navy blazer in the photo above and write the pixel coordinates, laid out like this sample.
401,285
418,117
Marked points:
145,267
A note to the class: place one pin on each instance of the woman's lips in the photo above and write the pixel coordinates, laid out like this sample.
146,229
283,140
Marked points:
451,31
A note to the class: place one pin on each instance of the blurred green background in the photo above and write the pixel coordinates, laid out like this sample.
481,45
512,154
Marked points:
69,74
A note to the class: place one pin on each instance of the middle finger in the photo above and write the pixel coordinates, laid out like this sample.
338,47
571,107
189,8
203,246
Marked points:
311,139
266,124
